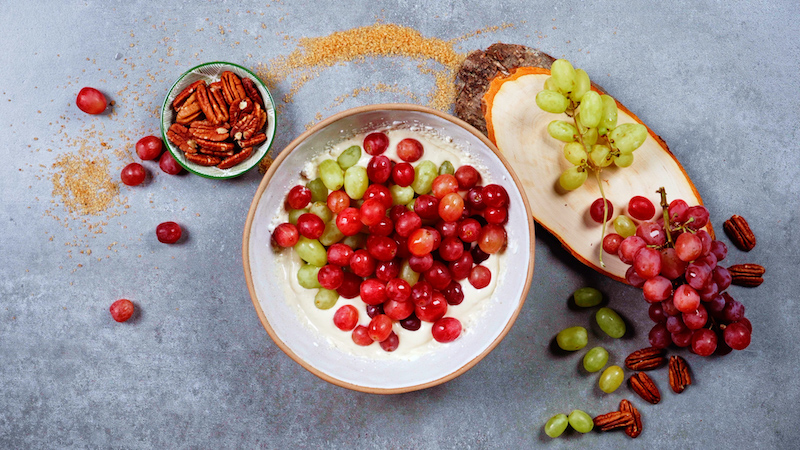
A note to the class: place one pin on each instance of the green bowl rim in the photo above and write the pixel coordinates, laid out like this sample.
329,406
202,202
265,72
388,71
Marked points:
171,148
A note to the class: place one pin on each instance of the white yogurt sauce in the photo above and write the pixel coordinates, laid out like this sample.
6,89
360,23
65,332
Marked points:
412,344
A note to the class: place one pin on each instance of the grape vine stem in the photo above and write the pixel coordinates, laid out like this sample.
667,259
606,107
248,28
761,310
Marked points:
665,209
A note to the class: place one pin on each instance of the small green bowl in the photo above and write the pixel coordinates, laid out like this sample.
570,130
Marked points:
211,72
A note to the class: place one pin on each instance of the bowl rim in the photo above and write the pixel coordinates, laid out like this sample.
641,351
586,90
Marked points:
251,161
263,185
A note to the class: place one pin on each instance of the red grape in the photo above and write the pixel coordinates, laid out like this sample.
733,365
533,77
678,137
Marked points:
474,199
611,243
398,290
647,262
379,169
677,211
384,227
298,197
382,248
688,247
168,232
495,195
379,192
451,206
656,313
387,270
453,293
733,310
480,277
403,174
375,143
372,211
407,223
492,238
719,249
704,342
657,289
169,165
346,318
338,201
652,233
420,264
421,293
421,242
467,177
497,216
433,310
469,230
696,319
444,184
686,298
351,286
682,338
478,255
697,217
411,323
286,235
409,150
641,208
330,276
380,327
659,336
596,210
310,225
451,249
438,275
361,336
149,147
122,310
391,343
675,324
133,174
722,277
349,221
697,275
446,329
461,268
91,101
373,291
671,266
427,207
374,310
629,247
633,278
362,263
737,336
397,310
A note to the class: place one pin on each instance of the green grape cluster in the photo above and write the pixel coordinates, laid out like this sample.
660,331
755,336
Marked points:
592,140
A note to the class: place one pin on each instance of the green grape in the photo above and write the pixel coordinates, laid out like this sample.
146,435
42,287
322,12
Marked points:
624,226
595,359
447,168
307,276
401,195
611,378
624,160
556,425
600,155
424,174
590,136
325,298
582,85
610,322
580,421
628,137
609,120
349,157
295,214
410,205
408,274
552,101
575,153
320,209
573,178
311,251
331,234
573,338
356,182
561,130
331,174
563,75
319,193
550,85
591,109
586,297
356,241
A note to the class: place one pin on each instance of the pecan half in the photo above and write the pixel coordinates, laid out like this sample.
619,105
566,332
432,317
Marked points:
679,376
185,94
738,230
635,429
215,146
232,87
748,275
235,111
218,103
252,91
205,104
231,161
643,385
203,160
255,140
180,136
189,110
209,133
646,359
614,419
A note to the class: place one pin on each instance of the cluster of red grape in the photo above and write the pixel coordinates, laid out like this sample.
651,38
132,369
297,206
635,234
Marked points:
677,265
401,237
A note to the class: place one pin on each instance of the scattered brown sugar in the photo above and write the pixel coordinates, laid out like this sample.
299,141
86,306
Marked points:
355,44
83,183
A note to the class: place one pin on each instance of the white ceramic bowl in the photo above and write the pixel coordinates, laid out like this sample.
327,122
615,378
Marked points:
211,72
283,322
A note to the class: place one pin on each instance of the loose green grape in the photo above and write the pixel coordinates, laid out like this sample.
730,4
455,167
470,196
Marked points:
609,120
295,214
319,193
575,153
563,75
573,338
356,241
325,298
447,168
550,85
356,182
580,421
408,274
410,205
424,174
590,136
307,276
591,109
556,425
611,378
623,160
628,137
401,195
331,174
595,359
582,85
320,209
610,322
349,157
573,178
562,130
624,226
586,297
331,234
311,251
600,155
552,101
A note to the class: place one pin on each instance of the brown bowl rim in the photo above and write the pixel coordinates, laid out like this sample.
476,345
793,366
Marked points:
262,187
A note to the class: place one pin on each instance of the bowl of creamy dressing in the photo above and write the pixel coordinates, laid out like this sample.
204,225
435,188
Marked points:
308,335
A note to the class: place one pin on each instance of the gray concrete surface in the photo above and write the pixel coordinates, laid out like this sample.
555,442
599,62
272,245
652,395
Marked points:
195,369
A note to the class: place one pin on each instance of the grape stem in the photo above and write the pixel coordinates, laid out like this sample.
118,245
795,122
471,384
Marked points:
605,215
665,208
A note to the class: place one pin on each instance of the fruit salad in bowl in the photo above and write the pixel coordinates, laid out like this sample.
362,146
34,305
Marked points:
389,248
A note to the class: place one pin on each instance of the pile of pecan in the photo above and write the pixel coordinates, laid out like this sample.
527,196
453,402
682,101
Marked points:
218,124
